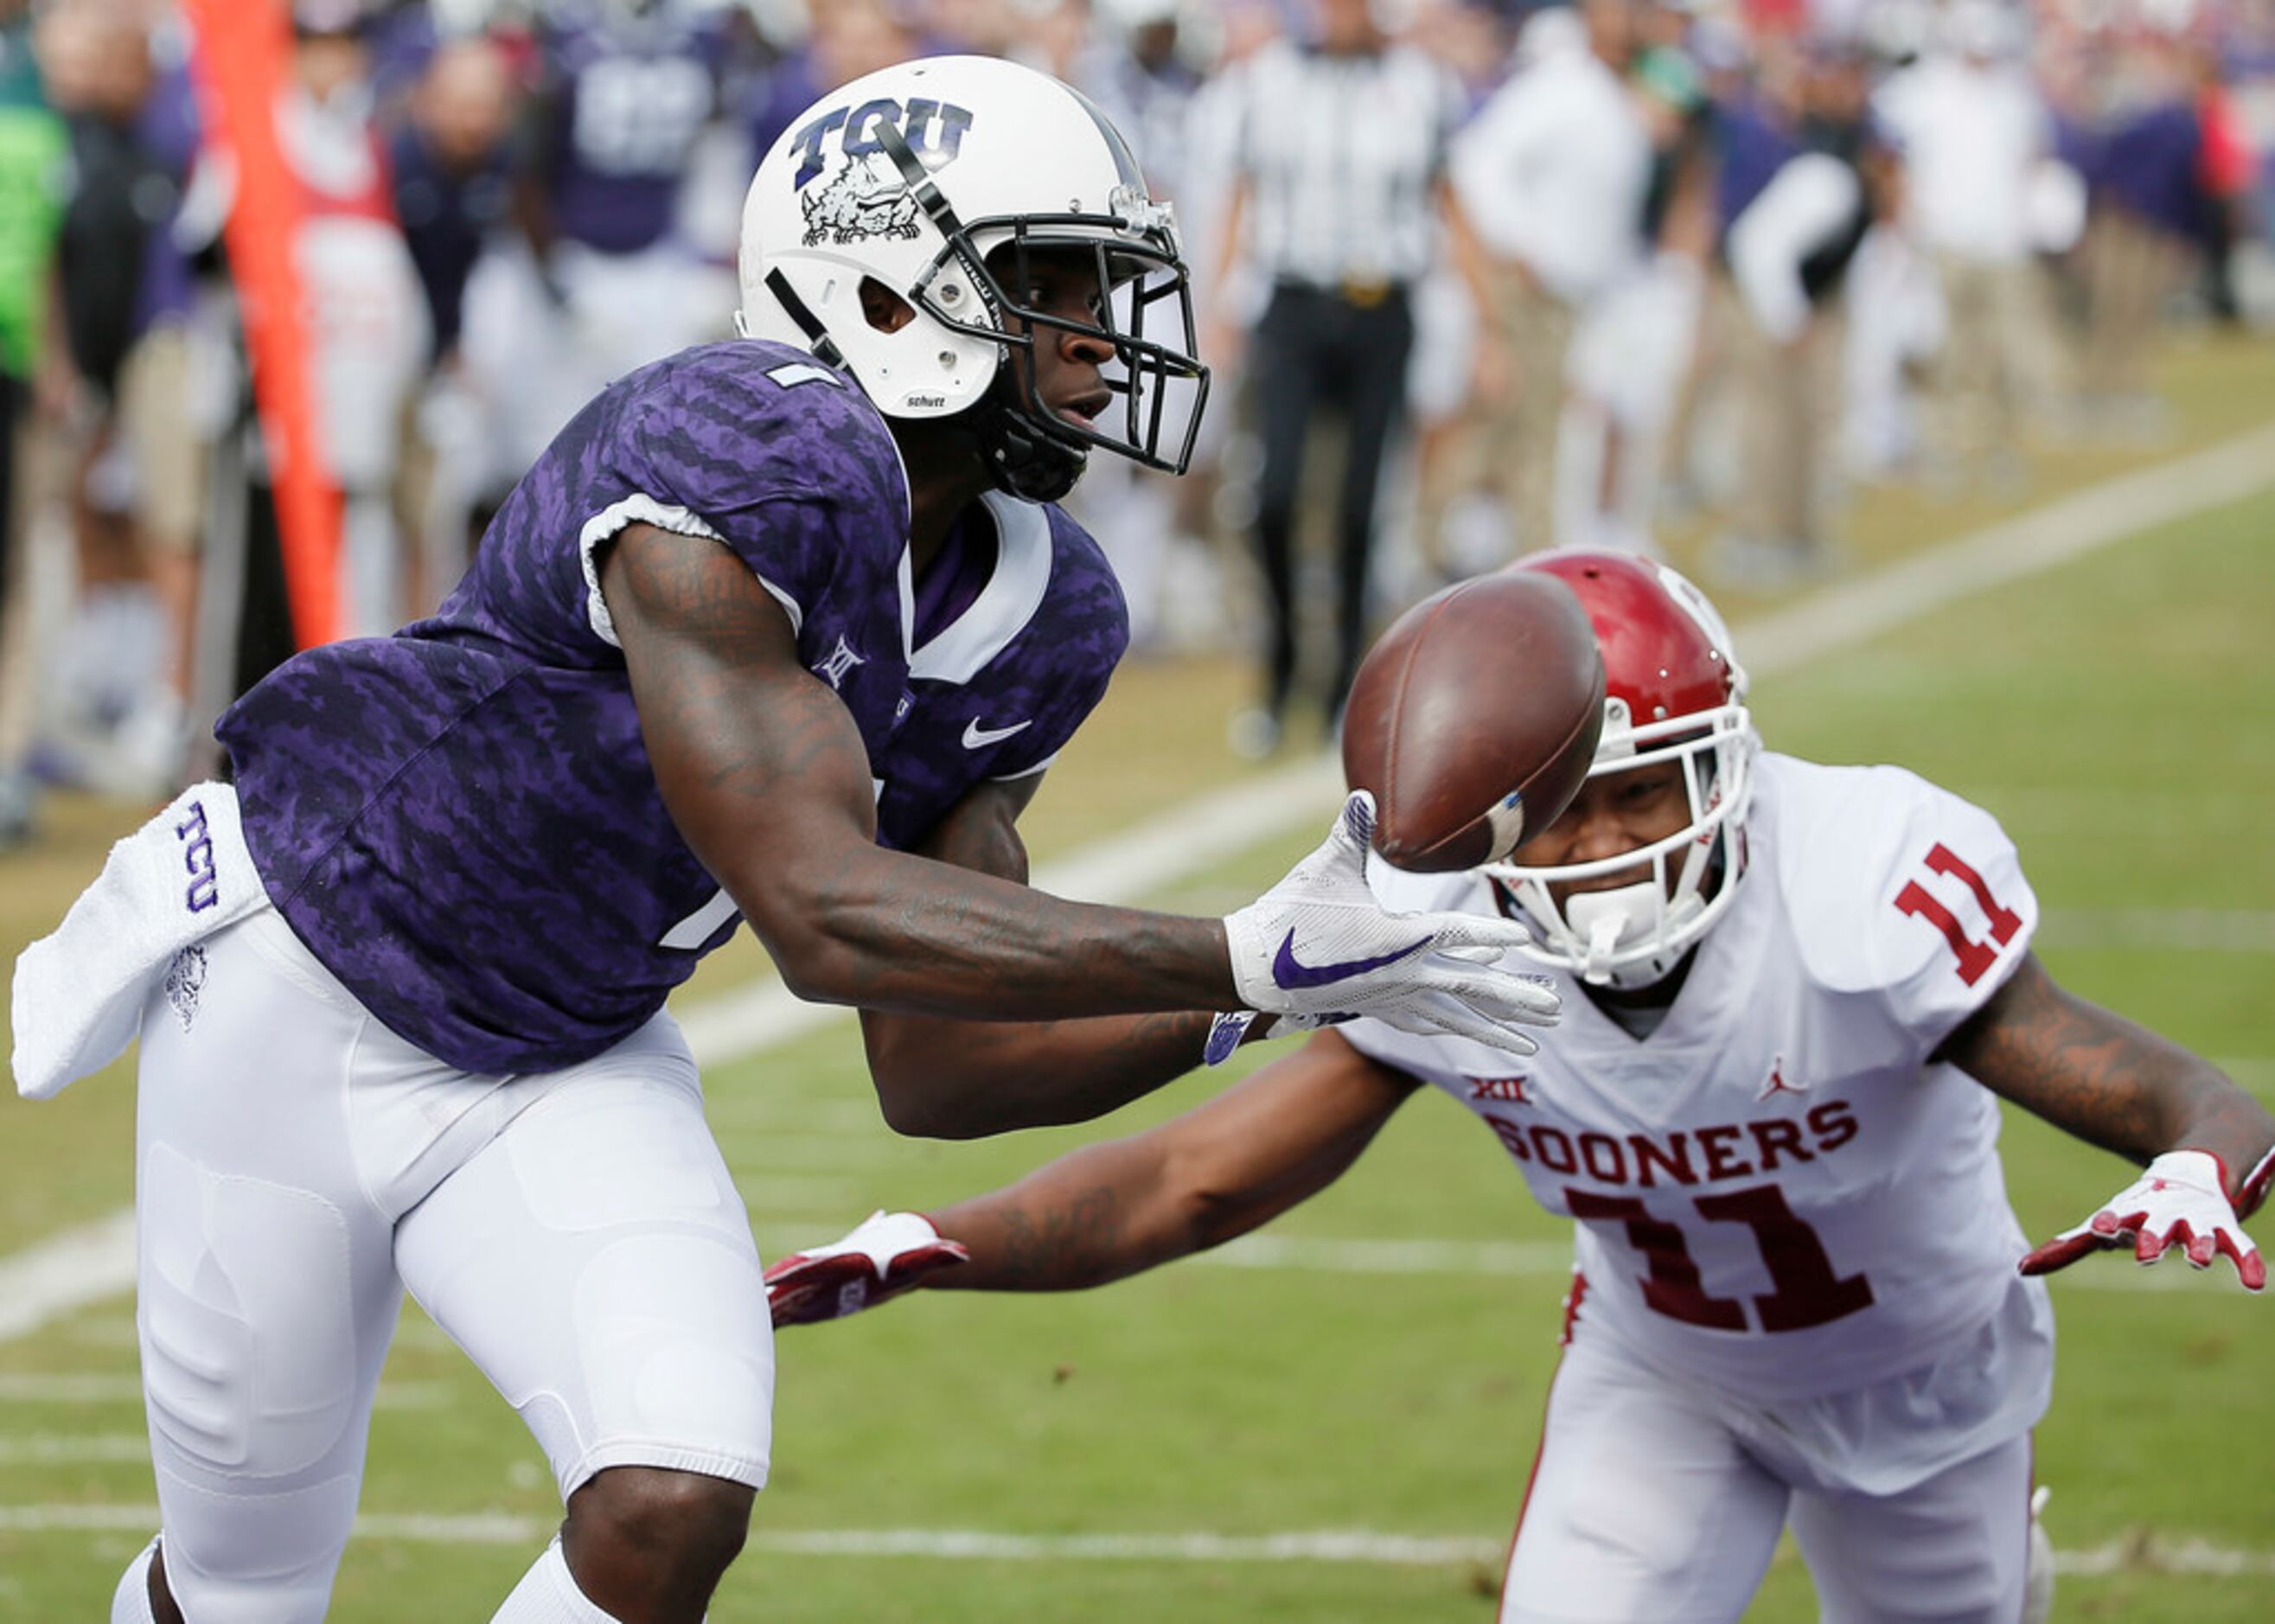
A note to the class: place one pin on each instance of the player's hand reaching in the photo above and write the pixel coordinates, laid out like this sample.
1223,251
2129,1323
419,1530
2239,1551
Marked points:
884,1256
2181,1200
1318,943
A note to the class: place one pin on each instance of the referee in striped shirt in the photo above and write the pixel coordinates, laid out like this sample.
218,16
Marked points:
1340,190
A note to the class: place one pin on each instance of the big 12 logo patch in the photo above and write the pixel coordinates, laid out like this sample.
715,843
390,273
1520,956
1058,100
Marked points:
866,195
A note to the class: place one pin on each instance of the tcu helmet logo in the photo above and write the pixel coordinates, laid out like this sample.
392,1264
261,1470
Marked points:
865,196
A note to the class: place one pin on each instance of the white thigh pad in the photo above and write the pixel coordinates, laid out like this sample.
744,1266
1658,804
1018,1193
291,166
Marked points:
248,1353
596,1261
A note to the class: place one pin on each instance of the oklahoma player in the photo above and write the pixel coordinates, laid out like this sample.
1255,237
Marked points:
1791,993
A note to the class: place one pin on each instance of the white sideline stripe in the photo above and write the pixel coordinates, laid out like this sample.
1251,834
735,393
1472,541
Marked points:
2149,1555
1841,616
2186,930
66,1272
34,1290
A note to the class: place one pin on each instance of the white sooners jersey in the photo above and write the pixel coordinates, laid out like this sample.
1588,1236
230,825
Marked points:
1779,1193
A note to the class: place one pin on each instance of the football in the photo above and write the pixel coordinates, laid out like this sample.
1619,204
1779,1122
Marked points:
1474,720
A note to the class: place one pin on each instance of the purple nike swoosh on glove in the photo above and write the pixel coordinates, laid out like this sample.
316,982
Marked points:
1288,972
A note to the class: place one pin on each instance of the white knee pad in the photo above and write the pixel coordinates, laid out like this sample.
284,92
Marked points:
130,1604
547,1594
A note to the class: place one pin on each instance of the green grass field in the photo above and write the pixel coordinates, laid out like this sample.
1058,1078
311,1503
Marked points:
2118,714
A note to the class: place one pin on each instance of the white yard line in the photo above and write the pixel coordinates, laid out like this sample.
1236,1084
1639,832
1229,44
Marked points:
93,1261
96,1390
1364,1545
73,1449
1126,868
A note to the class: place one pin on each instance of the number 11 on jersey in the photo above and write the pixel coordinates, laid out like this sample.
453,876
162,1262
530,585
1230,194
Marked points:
1808,1292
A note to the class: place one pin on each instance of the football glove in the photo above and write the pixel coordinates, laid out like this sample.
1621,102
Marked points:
887,1254
1318,943
2181,1200
2256,1185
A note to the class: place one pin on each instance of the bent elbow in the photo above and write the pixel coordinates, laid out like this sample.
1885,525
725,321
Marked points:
816,964
919,1102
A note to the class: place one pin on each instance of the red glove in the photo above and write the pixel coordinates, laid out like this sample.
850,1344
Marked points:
887,1254
2181,1201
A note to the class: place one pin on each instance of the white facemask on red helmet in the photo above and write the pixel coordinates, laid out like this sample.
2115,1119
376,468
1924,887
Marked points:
1674,691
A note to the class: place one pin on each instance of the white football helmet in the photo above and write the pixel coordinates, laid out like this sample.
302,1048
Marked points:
1674,691
913,176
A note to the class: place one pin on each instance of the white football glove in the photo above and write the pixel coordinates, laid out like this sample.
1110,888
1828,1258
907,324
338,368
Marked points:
1318,943
887,1254
2181,1201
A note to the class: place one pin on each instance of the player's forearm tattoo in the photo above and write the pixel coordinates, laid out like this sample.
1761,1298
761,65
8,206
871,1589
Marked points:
2105,1079
1060,1241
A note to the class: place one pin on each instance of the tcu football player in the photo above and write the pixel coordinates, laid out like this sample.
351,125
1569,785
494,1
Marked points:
786,629
1793,995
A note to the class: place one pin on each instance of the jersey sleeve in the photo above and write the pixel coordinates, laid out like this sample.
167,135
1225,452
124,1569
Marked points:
785,465
1911,898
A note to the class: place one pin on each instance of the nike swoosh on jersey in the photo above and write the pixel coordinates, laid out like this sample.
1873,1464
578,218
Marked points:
977,738
1290,973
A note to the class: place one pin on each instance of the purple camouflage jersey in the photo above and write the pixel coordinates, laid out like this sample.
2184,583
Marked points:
461,821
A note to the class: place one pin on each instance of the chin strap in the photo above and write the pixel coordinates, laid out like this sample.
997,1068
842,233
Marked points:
1023,462
1606,921
816,337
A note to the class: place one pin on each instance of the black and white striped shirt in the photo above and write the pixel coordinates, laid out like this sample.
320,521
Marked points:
1343,154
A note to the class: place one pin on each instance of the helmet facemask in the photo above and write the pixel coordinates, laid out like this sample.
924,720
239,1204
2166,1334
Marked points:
1158,389
1634,935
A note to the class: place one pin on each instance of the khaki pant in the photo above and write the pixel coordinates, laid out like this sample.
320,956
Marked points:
1787,398
1508,451
2131,268
1994,365
156,415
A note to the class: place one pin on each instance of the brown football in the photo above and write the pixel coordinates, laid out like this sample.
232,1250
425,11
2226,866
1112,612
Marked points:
1474,720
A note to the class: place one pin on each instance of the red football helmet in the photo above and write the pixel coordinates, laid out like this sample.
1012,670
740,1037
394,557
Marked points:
1674,691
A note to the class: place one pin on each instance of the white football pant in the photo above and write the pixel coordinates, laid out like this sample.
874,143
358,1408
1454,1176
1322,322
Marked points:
1647,1507
298,1166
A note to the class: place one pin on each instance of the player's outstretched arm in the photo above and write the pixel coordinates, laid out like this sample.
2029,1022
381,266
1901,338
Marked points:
767,778
2117,1085
962,1079
1119,1208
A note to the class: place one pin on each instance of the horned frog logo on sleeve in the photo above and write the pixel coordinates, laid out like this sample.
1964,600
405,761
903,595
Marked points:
862,195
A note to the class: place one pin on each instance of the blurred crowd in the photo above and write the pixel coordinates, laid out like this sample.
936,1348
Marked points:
1553,273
